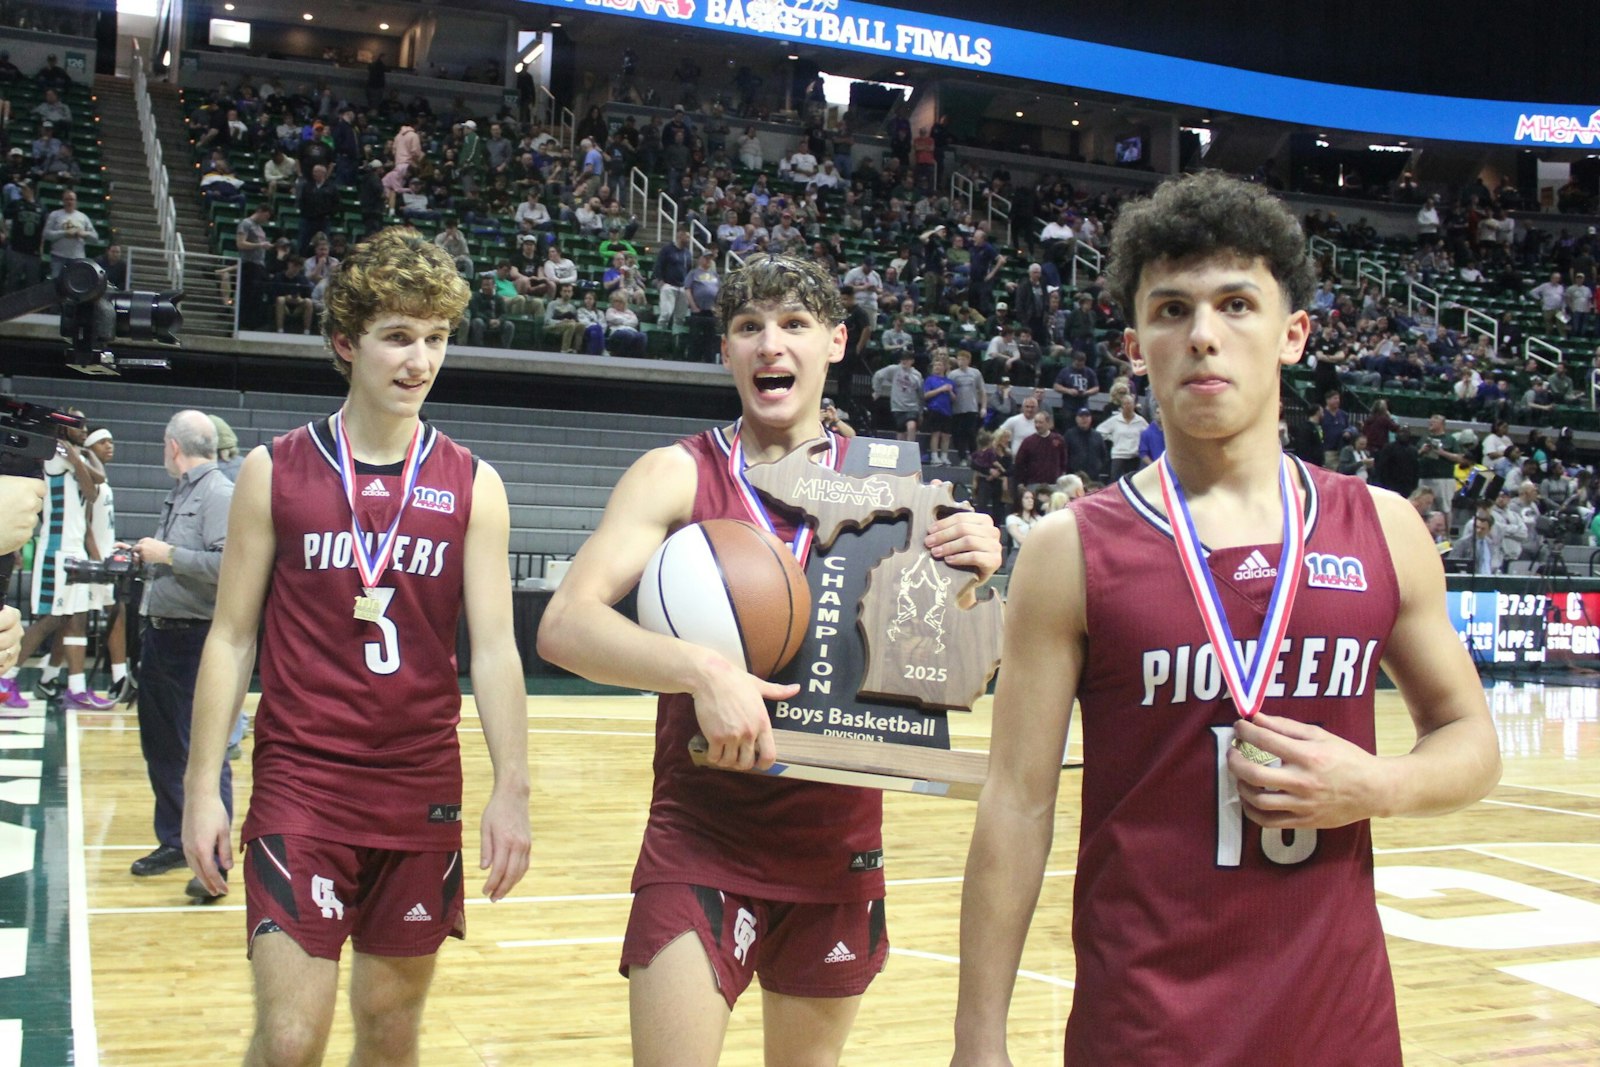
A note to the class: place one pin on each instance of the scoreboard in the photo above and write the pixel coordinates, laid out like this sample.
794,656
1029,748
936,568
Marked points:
1510,623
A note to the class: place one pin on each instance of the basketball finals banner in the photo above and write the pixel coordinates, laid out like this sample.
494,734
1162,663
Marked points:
863,27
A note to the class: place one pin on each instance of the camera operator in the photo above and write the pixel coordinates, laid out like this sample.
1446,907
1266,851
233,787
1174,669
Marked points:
181,563
72,479
20,501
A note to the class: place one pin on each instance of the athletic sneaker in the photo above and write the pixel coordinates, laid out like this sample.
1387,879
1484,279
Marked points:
48,691
13,695
88,700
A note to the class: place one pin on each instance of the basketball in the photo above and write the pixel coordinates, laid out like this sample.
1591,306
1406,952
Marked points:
731,587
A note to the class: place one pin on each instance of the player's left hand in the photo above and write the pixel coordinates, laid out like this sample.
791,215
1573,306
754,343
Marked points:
966,539
504,841
1324,782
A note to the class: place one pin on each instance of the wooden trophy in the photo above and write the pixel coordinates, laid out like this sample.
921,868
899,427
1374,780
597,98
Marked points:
874,695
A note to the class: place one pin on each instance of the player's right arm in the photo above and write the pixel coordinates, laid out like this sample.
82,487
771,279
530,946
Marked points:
1043,658
584,633
226,665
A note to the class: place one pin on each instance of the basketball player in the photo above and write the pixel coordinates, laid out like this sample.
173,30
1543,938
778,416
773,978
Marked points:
354,828
1223,908
73,477
739,876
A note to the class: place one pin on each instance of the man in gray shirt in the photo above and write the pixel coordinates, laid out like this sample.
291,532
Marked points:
66,231
181,565
968,406
905,396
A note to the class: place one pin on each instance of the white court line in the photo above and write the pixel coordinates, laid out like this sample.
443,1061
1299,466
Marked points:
1481,851
1549,789
1466,847
559,942
1541,807
85,1041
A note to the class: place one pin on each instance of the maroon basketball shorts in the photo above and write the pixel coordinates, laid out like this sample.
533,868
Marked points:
322,893
797,950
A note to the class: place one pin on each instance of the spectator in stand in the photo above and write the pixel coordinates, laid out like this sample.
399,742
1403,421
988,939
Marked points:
1153,441
291,292
671,274
991,471
623,337
486,315
1122,431
318,201
1580,306
52,110
867,283
985,266
751,156
969,406
561,319
1428,222
1557,486
66,232
452,240
1538,401
905,398
533,212
704,283
1025,513
938,399
282,170
407,153
1552,298
321,265
592,323
558,269
1076,383
1336,428
1086,448
1481,548
1020,426
52,76
1042,458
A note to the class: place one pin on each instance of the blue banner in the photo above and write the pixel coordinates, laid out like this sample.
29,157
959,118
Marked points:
868,28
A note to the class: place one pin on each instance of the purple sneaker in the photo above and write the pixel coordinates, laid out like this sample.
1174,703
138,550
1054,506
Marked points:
88,700
13,695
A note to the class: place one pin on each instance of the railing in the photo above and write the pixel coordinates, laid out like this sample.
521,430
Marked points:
666,216
1087,255
160,184
1481,322
731,261
210,285
962,189
1372,270
638,191
555,118
1425,296
1531,349
1003,213
1323,246
1594,387
701,239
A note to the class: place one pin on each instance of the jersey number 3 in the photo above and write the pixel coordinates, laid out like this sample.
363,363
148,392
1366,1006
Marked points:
383,655
1283,847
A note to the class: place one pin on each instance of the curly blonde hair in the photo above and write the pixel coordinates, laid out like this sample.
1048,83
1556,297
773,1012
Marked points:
395,270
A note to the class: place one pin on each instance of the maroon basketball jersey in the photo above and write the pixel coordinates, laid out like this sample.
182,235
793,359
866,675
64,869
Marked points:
356,729
1200,937
773,838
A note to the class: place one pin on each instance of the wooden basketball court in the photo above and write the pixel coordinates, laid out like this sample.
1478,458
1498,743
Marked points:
1493,913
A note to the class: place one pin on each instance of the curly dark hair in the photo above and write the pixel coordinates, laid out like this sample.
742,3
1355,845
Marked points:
778,279
1201,215
393,270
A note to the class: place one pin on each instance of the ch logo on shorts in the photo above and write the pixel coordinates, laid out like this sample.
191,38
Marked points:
744,934
323,896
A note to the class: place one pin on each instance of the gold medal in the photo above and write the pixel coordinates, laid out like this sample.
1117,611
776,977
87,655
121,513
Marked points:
1256,755
368,609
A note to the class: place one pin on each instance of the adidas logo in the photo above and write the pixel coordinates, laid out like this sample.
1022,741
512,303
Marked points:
418,914
1255,566
374,488
839,954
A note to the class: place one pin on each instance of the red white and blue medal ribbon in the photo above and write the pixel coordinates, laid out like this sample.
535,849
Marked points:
371,564
801,545
1246,680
